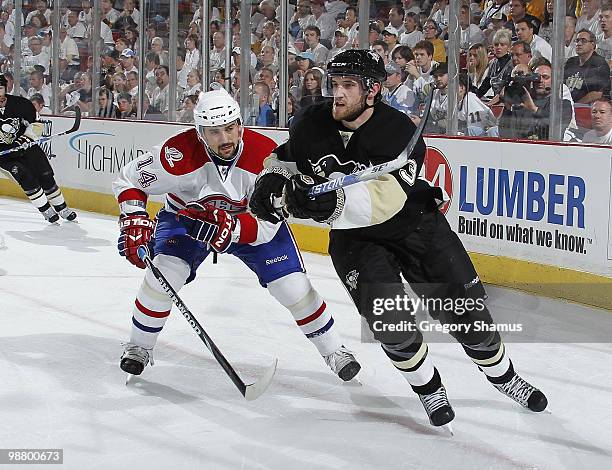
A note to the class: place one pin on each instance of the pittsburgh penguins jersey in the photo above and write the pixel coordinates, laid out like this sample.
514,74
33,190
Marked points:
476,113
181,169
15,119
320,145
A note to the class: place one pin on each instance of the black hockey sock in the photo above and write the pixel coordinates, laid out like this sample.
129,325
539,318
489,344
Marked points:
434,384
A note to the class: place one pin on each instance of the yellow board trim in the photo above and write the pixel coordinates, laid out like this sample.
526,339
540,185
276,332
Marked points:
582,287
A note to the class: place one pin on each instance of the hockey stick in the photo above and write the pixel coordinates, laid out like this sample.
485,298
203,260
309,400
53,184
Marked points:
249,391
383,168
27,145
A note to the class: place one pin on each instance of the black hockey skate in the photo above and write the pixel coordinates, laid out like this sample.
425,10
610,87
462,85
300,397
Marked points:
134,359
65,212
438,407
50,215
523,393
343,363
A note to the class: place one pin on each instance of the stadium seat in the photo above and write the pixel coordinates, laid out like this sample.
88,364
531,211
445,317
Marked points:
583,116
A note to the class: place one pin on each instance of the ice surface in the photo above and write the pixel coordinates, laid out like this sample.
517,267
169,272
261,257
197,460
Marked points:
65,301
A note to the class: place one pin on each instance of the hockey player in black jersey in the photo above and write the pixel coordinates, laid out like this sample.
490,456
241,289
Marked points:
30,167
385,228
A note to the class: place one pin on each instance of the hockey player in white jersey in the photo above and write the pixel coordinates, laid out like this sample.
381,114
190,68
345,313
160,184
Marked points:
207,174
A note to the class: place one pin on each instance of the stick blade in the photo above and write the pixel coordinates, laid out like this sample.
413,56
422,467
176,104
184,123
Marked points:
254,390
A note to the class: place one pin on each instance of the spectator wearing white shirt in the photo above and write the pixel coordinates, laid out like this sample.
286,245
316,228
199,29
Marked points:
604,40
395,93
301,18
390,36
340,44
157,46
194,84
325,21
109,14
419,72
470,33
76,29
39,104
69,51
539,47
411,6
37,85
494,8
396,19
86,15
181,69
590,17
335,7
217,53
351,24
38,57
128,61
439,13
192,54
412,34
312,36
41,8
601,115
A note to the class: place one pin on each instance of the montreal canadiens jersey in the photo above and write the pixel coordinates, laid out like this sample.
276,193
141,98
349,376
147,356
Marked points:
181,169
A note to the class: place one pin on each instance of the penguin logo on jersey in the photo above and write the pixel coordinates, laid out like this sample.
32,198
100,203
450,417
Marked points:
8,130
351,279
172,155
330,164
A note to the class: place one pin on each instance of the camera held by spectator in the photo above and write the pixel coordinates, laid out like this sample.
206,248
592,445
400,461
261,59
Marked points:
515,89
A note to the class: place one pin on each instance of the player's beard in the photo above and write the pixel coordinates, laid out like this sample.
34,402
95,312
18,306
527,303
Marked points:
349,113
226,151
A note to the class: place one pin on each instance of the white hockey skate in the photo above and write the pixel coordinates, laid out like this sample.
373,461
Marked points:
50,215
135,358
343,363
523,393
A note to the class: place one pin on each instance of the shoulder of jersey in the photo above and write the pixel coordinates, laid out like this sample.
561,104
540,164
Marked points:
311,116
257,147
182,153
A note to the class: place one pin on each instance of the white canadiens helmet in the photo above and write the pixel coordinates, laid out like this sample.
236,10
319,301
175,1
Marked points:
215,108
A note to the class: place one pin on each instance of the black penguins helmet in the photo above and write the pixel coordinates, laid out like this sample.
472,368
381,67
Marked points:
360,63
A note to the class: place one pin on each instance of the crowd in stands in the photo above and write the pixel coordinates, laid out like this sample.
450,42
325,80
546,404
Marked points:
505,75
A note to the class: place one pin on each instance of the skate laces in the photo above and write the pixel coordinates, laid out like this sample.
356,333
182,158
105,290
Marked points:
49,213
517,388
65,212
434,400
339,358
137,353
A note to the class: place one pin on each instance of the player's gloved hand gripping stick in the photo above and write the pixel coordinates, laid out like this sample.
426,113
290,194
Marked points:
32,143
369,173
249,391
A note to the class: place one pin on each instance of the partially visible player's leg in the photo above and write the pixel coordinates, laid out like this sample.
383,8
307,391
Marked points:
447,263
39,163
177,257
24,176
279,267
370,271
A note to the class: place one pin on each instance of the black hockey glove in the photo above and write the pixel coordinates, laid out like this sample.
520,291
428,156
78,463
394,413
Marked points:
22,139
268,184
322,208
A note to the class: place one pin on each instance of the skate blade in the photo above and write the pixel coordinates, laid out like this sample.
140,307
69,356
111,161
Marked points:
128,378
448,427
